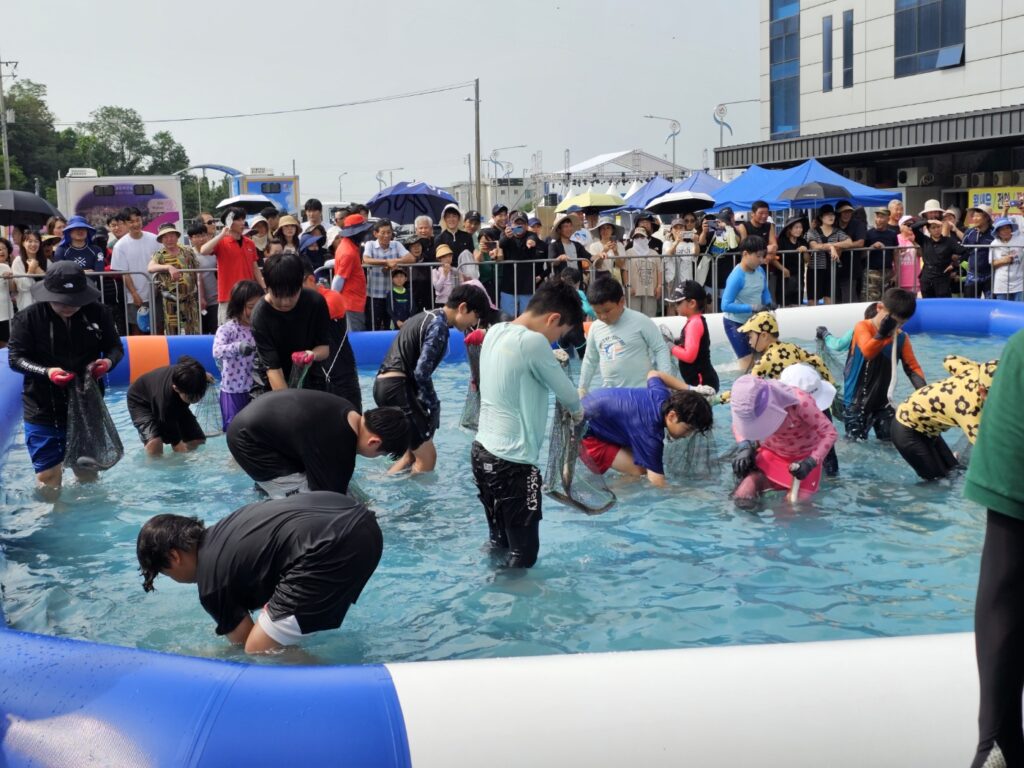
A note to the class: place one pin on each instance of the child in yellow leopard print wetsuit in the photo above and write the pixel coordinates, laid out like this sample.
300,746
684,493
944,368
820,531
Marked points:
931,410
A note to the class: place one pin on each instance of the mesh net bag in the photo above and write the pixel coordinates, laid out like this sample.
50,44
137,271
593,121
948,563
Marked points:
471,410
207,412
568,479
695,458
297,376
92,443
836,362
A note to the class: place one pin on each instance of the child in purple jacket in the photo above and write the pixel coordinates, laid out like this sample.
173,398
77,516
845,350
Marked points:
234,350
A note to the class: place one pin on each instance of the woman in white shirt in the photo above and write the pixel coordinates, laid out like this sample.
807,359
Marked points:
607,249
7,287
28,262
1006,254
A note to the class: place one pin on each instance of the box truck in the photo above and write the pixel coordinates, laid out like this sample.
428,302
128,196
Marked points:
83,192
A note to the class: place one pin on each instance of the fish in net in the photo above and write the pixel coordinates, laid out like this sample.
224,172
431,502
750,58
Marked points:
568,479
92,442
691,459
471,410
208,414
836,363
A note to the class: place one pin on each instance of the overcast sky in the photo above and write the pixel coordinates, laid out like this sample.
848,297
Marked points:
554,74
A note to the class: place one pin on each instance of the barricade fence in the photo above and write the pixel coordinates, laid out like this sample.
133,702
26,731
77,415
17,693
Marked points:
795,278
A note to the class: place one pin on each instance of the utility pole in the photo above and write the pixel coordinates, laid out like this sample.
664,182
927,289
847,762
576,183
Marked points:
476,106
3,124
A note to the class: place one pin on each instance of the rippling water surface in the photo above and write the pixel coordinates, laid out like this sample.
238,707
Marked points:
875,554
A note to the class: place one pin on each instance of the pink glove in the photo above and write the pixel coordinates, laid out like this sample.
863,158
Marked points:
476,338
99,368
302,358
60,377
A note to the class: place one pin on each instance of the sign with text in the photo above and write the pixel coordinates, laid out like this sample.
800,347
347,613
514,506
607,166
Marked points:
995,198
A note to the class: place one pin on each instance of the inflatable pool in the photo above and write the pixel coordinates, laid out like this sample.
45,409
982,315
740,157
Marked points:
897,701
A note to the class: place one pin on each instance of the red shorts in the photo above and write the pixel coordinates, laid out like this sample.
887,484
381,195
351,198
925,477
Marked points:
597,454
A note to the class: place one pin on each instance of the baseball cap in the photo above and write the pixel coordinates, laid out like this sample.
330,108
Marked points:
533,222
473,216
498,208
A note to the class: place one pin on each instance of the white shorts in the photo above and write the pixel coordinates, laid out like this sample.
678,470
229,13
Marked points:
287,485
284,631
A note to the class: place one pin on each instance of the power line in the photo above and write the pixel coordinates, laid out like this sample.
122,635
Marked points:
359,102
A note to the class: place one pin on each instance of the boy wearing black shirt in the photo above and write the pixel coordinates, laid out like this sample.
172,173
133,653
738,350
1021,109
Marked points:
300,440
291,326
882,243
304,560
158,404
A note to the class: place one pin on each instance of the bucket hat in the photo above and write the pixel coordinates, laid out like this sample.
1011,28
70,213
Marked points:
166,229
355,224
77,222
802,376
759,407
287,220
932,206
65,282
762,322
617,230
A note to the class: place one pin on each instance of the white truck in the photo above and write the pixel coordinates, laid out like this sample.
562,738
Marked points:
85,193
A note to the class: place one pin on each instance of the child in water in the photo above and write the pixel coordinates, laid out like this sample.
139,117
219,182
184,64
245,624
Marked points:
693,347
784,436
234,349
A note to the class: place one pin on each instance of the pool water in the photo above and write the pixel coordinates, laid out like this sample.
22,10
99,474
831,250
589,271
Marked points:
875,554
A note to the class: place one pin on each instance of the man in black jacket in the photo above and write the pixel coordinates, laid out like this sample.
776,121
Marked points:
66,333
517,282
452,234
938,257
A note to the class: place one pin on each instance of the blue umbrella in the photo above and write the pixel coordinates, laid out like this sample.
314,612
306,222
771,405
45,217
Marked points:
403,202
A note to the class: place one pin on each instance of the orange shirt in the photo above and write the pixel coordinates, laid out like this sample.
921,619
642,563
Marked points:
335,302
348,263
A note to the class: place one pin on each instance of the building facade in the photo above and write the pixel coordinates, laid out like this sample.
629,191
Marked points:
921,95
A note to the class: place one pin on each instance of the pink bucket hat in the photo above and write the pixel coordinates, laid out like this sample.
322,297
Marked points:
478,284
759,407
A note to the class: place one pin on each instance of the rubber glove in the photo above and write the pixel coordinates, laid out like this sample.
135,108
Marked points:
704,391
475,338
821,332
59,377
98,368
743,463
302,358
801,469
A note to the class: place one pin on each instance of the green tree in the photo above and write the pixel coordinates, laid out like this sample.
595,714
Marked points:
114,142
167,155
198,194
31,138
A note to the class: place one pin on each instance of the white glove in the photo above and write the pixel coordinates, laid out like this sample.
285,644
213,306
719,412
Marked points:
578,416
704,391
560,355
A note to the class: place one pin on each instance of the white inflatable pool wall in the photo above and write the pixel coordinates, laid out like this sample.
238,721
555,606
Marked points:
794,323
900,702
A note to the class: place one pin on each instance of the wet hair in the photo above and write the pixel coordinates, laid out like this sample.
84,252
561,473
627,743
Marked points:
381,225
474,299
243,292
572,276
871,310
313,205
758,205
269,212
604,290
130,211
690,408
189,377
159,536
282,274
899,302
557,296
753,244
391,425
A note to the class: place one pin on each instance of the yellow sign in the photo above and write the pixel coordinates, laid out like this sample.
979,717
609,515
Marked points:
995,198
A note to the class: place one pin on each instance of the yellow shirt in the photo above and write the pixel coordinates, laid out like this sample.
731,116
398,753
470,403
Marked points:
952,402
780,355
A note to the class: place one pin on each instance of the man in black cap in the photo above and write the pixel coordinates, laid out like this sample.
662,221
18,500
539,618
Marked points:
517,282
471,225
66,333
499,217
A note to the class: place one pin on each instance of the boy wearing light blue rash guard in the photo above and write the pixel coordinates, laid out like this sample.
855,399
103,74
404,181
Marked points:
517,370
746,293
623,343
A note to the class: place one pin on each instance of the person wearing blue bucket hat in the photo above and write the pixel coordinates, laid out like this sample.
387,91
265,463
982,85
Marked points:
1006,254
76,245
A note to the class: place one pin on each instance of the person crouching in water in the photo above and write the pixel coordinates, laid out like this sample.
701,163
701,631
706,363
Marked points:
784,436
693,347
934,408
404,378
158,403
626,427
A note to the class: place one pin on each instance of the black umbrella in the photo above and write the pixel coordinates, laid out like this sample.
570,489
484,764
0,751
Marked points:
813,192
17,207
680,203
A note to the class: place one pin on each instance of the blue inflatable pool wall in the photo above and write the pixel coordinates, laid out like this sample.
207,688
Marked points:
122,706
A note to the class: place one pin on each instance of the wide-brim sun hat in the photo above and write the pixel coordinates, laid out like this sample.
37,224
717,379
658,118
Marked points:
617,230
355,224
65,283
982,208
1000,223
804,377
257,220
932,206
559,220
166,229
797,219
285,221
759,407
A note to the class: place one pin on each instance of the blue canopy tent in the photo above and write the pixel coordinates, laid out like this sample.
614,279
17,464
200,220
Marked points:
656,187
404,201
757,183
699,182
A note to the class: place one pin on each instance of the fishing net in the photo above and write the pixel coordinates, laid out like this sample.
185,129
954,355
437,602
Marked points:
92,443
836,363
568,479
297,377
207,412
471,410
694,458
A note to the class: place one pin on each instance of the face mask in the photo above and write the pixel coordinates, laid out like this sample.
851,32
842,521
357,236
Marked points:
261,242
640,244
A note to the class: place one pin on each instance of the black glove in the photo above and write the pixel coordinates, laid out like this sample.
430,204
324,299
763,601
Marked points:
802,469
743,463
886,327
762,308
917,381
821,332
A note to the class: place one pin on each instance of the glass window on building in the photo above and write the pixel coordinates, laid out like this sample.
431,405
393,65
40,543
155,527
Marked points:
826,54
784,71
847,49
929,35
